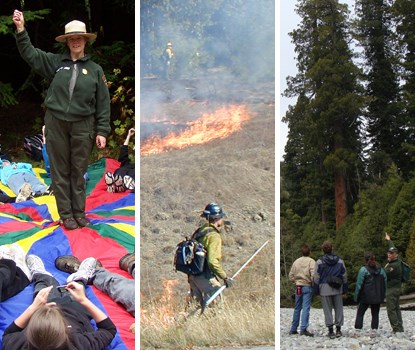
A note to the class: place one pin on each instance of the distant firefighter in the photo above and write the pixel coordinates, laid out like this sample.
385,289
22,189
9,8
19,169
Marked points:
168,56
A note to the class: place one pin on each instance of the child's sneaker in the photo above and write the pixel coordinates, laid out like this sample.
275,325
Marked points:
24,193
4,252
119,184
129,182
85,271
109,180
35,265
19,257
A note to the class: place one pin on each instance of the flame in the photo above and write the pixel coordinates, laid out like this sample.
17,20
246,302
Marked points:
164,313
217,125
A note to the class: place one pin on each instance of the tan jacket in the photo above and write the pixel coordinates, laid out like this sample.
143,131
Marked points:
302,271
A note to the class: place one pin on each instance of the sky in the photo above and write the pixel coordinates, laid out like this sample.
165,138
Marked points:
289,20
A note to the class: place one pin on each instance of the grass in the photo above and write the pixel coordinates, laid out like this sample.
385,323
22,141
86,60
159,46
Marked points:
245,316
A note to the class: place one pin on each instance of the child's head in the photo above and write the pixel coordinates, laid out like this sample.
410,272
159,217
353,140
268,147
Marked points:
47,329
4,162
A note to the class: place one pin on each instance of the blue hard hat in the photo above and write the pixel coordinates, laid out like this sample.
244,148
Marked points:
213,211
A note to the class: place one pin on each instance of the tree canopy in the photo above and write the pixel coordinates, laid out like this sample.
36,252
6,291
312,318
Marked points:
351,141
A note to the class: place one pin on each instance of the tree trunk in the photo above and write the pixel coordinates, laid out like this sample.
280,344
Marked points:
341,199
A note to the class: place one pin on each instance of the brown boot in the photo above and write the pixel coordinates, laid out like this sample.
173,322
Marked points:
127,262
70,263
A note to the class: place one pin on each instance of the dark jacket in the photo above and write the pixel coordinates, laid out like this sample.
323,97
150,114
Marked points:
329,265
90,96
126,168
82,335
370,285
394,271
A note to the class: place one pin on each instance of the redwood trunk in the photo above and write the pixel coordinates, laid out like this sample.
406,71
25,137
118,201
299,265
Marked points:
341,199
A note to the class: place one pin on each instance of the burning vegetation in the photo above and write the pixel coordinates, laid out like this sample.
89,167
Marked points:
218,125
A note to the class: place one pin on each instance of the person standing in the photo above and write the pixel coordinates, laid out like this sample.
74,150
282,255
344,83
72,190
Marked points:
370,290
203,286
301,274
168,57
393,290
330,282
77,113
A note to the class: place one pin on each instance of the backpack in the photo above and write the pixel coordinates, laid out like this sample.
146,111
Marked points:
32,145
406,272
373,288
189,257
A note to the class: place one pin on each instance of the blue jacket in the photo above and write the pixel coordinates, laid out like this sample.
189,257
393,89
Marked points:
13,168
329,265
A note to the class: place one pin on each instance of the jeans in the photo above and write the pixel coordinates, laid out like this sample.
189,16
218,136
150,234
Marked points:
302,306
16,181
119,288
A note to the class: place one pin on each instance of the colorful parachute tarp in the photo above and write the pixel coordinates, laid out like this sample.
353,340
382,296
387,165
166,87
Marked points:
34,225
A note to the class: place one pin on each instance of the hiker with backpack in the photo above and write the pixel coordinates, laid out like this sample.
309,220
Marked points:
204,285
330,282
393,290
370,290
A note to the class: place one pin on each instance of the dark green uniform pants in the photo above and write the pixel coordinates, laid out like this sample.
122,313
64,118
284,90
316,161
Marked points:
393,308
69,146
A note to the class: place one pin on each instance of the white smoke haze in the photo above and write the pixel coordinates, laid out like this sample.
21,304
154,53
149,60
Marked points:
224,52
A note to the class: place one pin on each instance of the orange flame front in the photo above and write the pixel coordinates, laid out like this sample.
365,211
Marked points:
162,313
217,125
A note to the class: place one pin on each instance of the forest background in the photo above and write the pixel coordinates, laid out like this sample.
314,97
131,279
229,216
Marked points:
22,91
348,170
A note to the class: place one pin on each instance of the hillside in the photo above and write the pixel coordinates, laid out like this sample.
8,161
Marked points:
238,172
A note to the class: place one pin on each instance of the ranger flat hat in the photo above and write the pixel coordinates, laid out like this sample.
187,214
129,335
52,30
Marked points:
75,28
393,250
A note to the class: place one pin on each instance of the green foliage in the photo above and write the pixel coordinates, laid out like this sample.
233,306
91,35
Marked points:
7,97
6,22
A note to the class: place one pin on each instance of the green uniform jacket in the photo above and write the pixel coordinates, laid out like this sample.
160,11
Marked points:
394,271
212,241
90,95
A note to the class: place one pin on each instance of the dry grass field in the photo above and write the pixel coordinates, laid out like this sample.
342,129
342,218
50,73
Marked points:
238,172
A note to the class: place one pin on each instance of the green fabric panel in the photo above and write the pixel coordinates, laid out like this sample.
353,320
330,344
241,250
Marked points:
47,180
21,216
121,237
123,212
11,237
95,172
